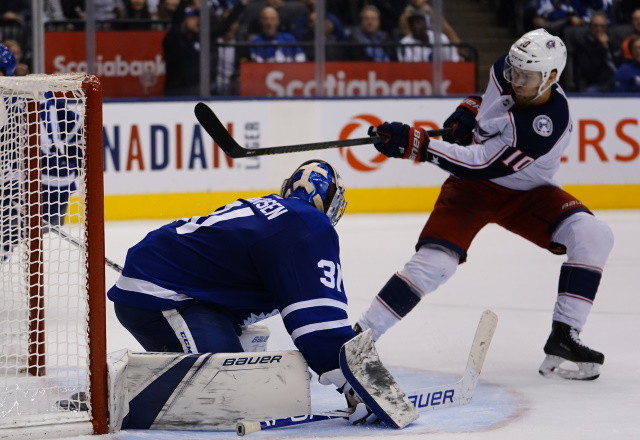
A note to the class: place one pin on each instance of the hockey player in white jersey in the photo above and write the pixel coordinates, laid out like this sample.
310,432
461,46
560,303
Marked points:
502,154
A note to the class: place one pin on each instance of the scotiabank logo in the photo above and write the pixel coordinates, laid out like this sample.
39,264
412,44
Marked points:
359,158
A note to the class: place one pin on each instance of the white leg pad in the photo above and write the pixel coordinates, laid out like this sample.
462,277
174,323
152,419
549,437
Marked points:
205,391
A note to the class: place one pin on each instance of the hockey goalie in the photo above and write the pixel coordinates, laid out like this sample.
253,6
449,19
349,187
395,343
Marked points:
191,291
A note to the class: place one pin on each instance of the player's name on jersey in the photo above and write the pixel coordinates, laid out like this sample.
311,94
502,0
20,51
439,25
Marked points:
269,207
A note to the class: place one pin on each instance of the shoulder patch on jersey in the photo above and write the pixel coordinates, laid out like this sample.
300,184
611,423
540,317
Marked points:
543,125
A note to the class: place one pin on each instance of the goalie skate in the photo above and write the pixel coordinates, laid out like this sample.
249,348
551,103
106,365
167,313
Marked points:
567,357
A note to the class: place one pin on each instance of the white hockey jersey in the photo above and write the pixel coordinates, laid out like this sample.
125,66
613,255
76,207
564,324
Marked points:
517,148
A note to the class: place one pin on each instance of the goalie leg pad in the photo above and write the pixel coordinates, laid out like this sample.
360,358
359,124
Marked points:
209,391
374,384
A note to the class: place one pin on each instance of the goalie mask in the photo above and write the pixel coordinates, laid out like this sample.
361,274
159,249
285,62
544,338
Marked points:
533,57
318,183
7,61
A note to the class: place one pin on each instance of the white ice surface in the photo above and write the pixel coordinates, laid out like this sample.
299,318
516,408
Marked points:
504,273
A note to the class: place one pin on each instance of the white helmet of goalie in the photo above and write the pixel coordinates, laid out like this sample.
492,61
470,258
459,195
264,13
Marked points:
537,51
319,184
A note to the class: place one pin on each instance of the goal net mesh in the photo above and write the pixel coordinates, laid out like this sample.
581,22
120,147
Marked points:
44,259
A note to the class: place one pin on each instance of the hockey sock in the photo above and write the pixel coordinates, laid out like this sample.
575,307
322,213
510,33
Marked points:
392,303
576,291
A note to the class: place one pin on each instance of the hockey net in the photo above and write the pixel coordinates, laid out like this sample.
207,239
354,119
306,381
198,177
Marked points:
52,287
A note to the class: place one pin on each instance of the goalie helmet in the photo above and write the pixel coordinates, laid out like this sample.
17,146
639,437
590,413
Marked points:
537,51
7,61
318,183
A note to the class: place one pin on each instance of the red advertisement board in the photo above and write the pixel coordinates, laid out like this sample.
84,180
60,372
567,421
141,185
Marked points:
129,63
354,79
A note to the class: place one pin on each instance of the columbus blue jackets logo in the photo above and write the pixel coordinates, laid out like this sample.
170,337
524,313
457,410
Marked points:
543,126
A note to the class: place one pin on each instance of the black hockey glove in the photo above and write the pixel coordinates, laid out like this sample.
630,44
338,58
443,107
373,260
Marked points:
462,121
402,141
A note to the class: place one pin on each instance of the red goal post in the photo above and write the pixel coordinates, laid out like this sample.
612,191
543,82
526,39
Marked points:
52,288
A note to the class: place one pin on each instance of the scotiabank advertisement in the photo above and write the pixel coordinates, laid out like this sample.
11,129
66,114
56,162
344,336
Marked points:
129,63
156,148
354,79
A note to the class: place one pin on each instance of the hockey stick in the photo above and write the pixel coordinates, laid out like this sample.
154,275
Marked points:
434,397
212,125
53,228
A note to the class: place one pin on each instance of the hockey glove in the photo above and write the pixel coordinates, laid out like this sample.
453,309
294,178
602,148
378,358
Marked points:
361,412
462,121
402,141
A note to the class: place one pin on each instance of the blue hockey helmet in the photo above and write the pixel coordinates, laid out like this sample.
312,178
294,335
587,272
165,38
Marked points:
7,61
318,183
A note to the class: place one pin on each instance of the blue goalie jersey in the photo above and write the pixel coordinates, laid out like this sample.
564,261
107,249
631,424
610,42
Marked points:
251,259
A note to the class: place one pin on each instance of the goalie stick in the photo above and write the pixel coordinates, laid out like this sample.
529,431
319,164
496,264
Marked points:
424,399
212,125
53,228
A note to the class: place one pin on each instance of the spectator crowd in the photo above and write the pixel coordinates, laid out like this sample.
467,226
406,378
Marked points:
602,36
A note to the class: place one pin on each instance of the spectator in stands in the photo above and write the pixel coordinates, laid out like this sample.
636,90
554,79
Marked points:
135,15
102,9
374,43
349,12
287,13
275,52
627,78
555,15
181,48
226,64
73,9
52,10
595,56
423,7
421,35
626,43
166,10
302,25
14,10
225,57
16,49
333,50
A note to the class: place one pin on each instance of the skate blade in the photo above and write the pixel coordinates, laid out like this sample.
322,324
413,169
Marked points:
552,366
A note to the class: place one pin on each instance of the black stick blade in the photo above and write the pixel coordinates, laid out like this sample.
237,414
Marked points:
218,132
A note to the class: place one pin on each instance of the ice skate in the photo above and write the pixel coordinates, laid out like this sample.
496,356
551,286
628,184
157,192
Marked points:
567,357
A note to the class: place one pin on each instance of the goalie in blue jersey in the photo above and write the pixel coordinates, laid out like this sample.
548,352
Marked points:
192,285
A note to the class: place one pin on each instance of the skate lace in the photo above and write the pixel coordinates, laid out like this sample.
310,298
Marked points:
575,336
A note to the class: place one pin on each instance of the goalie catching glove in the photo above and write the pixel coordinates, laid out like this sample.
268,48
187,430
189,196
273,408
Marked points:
402,141
462,121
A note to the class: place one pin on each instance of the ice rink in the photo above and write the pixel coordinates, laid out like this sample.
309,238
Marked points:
505,274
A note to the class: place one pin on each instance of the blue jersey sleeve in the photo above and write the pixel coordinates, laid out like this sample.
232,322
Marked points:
305,275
